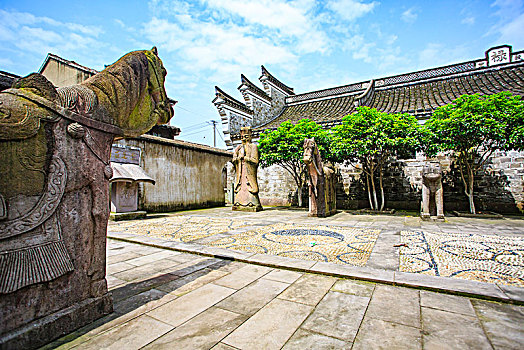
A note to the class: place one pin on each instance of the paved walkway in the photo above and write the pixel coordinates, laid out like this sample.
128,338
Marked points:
177,295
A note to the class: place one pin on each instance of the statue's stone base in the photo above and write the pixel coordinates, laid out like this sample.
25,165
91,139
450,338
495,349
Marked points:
131,215
427,217
319,215
250,209
58,324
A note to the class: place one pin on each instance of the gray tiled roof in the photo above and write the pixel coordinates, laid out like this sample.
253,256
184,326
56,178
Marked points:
419,96
319,111
421,99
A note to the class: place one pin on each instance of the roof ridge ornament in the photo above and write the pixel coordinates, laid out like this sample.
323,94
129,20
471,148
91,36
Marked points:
247,85
266,76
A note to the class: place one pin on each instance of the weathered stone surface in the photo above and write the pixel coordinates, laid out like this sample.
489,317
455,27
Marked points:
271,327
378,334
446,302
201,332
191,282
321,180
446,330
245,160
131,335
187,306
432,191
283,276
503,323
308,289
250,299
395,304
338,315
242,277
54,164
363,289
303,339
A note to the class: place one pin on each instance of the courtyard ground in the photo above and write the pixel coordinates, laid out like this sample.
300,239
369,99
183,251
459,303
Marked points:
278,279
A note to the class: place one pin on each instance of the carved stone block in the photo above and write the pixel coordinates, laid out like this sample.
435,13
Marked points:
321,179
54,166
432,192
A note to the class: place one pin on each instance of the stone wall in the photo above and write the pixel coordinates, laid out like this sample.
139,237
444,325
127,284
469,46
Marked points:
61,74
276,185
499,189
187,175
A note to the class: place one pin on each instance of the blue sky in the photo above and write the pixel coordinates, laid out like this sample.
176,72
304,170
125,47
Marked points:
307,44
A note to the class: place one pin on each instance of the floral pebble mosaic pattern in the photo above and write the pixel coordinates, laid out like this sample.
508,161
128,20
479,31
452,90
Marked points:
484,258
179,228
336,244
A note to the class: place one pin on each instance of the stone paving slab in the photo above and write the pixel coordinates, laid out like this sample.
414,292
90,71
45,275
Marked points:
446,330
201,332
395,304
303,339
184,308
379,334
271,327
293,310
338,315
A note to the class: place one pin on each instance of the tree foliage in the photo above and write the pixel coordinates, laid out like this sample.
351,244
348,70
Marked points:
284,147
475,126
370,137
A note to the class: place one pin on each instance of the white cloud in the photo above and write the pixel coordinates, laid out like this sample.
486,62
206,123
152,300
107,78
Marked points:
409,16
510,26
26,32
470,20
512,32
350,10
291,21
223,49
435,54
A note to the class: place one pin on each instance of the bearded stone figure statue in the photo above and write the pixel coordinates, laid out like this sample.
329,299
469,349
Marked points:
245,161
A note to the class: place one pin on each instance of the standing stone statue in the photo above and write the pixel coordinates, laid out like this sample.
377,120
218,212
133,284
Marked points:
432,192
54,174
321,179
245,161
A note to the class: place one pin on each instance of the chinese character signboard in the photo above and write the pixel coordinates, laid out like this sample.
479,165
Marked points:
125,154
498,55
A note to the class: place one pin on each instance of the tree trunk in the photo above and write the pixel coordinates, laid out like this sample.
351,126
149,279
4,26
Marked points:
470,190
299,195
375,201
382,201
369,192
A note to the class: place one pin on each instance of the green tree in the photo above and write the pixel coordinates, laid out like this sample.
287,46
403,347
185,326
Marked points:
284,147
473,127
370,137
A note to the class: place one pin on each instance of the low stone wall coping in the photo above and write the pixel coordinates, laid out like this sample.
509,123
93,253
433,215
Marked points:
184,144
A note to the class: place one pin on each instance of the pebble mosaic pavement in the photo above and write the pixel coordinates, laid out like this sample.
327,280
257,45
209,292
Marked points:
484,258
337,244
179,228
341,245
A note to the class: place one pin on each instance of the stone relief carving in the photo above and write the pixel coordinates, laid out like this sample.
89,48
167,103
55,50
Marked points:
54,154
